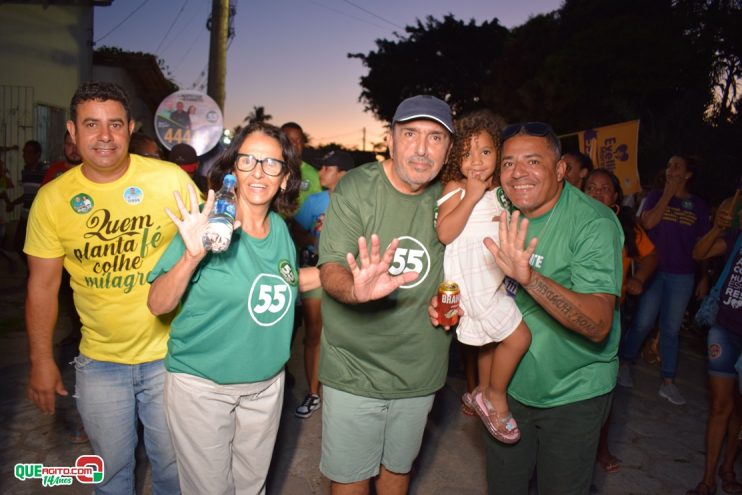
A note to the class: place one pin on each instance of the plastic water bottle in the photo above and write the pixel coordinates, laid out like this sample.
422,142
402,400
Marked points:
218,233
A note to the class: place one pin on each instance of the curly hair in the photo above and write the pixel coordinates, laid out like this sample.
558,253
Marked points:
285,201
467,126
99,91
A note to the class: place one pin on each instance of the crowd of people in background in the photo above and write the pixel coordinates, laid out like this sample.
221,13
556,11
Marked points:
562,282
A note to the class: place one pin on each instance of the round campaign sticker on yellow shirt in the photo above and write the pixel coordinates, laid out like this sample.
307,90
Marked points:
133,195
81,203
189,117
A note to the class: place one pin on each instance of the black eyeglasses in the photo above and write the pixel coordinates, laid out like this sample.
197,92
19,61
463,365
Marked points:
539,129
270,166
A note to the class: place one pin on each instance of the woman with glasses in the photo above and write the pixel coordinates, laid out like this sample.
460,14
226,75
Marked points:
231,337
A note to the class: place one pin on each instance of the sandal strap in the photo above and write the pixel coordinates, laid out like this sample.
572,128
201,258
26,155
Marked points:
727,475
702,488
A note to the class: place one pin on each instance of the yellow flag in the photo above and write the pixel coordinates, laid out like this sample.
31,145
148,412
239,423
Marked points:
614,147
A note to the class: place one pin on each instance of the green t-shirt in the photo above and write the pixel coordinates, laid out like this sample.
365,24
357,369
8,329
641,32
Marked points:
237,314
387,348
309,182
579,247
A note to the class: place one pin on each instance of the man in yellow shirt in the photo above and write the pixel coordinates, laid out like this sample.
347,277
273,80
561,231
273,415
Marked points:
105,222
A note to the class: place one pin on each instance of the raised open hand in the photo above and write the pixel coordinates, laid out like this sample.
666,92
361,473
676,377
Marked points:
371,279
512,255
193,222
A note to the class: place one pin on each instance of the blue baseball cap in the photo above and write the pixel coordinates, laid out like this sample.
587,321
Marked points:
424,107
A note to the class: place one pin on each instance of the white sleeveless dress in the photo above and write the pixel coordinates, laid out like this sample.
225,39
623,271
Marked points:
490,314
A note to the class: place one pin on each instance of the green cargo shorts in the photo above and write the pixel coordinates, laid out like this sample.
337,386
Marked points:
360,433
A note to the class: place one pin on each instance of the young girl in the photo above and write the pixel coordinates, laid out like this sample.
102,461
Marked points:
468,212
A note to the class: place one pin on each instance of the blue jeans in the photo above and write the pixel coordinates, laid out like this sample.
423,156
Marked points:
667,295
110,398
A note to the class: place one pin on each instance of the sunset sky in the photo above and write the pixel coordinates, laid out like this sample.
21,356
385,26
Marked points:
289,56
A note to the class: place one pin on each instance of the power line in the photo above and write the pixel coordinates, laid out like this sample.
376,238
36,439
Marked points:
183,26
345,14
122,22
371,13
157,50
201,77
193,43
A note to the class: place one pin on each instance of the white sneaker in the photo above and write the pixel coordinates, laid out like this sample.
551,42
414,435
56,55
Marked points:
624,376
670,392
310,404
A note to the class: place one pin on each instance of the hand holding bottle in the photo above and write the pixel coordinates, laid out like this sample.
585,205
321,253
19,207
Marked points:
218,232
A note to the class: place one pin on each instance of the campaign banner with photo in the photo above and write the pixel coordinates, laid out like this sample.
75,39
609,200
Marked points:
614,147
190,117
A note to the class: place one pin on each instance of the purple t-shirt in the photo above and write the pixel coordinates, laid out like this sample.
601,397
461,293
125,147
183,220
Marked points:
683,223
730,297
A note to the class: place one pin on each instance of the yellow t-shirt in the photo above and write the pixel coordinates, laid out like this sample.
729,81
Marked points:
111,235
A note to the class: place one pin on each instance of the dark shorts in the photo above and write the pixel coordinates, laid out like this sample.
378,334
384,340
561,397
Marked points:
724,348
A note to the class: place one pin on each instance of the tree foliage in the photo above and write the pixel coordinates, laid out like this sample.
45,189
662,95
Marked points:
257,114
420,62
674,64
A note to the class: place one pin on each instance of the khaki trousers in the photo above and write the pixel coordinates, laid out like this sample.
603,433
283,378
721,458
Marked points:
223,434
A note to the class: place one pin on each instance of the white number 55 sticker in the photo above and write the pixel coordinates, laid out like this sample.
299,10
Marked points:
410,256
269,300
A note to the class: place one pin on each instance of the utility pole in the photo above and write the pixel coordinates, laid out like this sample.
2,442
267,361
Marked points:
219,25
364,140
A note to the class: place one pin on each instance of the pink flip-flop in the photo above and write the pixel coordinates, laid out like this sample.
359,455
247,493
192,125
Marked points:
492,420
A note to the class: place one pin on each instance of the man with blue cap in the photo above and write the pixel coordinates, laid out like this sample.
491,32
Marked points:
381,361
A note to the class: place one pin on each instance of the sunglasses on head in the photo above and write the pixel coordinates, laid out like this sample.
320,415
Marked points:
539,129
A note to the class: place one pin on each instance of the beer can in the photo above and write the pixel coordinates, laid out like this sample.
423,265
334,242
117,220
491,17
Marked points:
449,296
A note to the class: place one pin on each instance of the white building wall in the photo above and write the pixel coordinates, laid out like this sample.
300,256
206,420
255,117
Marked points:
45,52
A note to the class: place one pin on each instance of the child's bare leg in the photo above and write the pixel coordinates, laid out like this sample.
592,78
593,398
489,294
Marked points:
505,359
470,354
484,364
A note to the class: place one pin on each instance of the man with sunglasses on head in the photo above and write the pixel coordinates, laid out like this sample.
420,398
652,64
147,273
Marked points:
381,362
563,250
